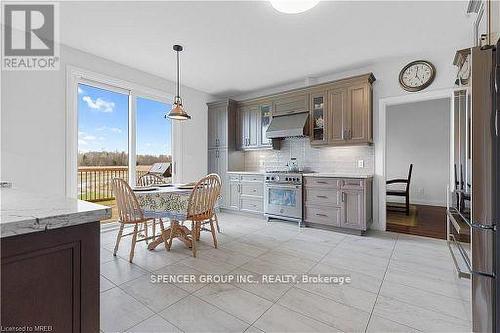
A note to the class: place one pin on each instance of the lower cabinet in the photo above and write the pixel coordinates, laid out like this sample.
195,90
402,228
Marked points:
353,210
338,203
233,196
246,193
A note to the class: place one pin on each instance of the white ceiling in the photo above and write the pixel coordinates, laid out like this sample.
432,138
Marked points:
237,47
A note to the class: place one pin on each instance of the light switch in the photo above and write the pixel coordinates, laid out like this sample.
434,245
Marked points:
361,163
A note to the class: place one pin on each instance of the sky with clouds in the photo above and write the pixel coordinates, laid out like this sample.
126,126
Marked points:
103,123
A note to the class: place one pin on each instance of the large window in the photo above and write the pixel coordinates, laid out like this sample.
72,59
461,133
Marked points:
121,134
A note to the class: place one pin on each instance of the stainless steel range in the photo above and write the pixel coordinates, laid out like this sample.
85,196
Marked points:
283,196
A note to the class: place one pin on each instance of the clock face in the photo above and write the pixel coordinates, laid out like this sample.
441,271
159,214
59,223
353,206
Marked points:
417,75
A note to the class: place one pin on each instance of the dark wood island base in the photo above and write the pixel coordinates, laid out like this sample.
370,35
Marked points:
50,280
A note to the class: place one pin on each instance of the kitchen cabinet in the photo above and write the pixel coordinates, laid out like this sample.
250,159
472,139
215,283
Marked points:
51,277
222,120
254,121
265,120
338,203
319,118
246,193
291,103
234,193
249,126
358,122
346,110
217,127
352,209
217,163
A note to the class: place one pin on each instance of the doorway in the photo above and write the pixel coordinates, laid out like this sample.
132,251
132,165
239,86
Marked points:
417,167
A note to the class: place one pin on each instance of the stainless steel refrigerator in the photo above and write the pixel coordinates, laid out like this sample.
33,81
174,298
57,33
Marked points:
474,202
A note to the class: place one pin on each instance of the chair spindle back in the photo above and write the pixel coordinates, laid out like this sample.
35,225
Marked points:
129,210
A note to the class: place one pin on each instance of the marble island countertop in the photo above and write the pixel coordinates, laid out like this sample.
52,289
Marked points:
311,174
22,212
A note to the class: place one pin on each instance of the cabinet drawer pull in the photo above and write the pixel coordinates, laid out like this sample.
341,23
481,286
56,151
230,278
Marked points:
323,215
322,196
321,182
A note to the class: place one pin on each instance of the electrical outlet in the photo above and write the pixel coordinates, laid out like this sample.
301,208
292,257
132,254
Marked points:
361,163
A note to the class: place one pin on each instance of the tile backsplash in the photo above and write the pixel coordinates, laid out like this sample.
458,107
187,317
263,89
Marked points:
324,159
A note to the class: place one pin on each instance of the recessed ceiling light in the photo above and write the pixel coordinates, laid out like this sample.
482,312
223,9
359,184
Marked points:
293,6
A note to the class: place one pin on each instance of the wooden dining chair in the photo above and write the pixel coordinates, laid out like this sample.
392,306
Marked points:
130,213
201,209
403,192
149,179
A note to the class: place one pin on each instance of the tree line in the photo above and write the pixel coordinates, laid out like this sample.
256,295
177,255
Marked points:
106,158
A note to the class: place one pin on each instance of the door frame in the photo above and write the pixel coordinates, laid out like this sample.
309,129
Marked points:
381,147
76,75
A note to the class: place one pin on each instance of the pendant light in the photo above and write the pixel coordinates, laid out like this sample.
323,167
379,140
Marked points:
177,111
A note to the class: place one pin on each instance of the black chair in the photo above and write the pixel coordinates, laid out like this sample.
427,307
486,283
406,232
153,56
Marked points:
401,193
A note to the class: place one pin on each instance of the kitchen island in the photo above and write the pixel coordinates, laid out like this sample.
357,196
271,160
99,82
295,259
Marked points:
50,262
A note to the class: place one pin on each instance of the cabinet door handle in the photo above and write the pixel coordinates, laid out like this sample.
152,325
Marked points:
239,188
343,196
350,134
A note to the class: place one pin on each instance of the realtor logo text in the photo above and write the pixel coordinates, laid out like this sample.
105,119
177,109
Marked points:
30,37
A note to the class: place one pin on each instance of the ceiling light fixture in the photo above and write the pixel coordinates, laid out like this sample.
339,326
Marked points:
177,111
293,6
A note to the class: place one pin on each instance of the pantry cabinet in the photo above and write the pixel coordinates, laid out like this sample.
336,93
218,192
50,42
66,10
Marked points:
222,120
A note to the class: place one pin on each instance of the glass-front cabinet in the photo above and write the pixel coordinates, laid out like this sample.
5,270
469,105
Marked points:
318,118
265,120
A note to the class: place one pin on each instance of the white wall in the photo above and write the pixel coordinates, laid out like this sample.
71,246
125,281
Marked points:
419,133
386,72
33,110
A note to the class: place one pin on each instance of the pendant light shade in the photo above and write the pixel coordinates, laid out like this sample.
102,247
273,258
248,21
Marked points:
177,111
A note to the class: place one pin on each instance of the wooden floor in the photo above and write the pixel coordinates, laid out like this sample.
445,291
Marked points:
430,221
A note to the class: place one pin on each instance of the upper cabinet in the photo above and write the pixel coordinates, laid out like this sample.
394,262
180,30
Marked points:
221,124
265,119
291,103
319,118
346,114
340,114
249,126
253,124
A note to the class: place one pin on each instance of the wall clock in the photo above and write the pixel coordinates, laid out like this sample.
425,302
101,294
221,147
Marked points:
417,75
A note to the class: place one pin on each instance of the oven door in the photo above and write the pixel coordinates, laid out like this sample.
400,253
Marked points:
283,200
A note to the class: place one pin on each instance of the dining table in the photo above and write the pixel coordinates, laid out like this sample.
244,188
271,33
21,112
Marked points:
166,202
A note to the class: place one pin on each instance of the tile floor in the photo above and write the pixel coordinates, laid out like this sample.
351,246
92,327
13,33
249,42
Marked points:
399,283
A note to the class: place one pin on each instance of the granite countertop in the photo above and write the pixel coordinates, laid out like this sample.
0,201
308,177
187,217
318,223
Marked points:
337,175
22,212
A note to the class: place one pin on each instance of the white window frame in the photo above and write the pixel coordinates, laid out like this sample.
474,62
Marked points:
75,76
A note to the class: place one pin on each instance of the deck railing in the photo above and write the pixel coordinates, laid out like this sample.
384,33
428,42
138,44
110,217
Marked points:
94,183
